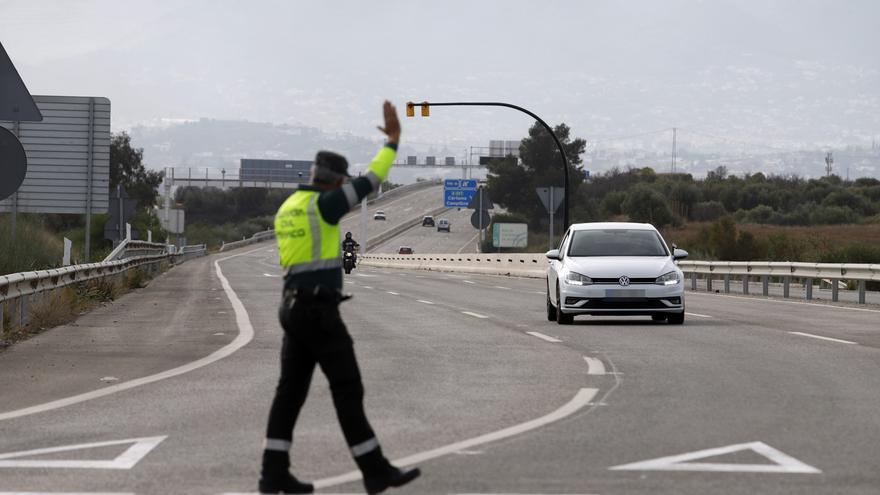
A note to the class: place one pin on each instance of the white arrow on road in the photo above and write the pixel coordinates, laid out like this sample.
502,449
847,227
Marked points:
139,449
781,463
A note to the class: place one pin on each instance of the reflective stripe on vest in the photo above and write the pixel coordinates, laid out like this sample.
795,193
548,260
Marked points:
305,241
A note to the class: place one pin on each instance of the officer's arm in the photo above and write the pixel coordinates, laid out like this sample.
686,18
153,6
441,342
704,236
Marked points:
335,204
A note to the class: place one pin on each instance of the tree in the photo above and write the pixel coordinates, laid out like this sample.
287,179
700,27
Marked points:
127,168
643,204
511,183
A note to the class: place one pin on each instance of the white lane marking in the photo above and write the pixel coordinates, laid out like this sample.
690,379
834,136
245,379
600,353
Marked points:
270,275
698,315
780,301
499,287
475,315
594,366
469,243
782,463
581,399
364,275
468,282
423,301
393,293
245,335
544,337
367,287
824,338
126,460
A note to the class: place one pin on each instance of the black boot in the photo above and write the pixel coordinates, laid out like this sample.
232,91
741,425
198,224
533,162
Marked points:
275,477
391,477
284,483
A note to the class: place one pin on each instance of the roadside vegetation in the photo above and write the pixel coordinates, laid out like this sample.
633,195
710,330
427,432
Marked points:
752,217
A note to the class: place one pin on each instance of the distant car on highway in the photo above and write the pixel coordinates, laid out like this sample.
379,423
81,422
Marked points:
427,221
443,224
404,250
379,215
614,269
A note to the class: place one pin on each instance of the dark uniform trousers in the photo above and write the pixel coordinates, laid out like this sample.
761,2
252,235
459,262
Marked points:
315,334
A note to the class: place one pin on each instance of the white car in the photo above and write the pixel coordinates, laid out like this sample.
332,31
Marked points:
614,269
379,215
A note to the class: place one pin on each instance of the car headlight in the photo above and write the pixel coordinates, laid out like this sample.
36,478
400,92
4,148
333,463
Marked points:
573,278
670,278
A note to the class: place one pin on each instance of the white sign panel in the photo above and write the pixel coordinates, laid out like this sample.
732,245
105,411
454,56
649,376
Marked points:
514,235
68,156
176,220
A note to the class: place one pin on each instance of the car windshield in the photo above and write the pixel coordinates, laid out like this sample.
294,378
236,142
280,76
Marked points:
617,242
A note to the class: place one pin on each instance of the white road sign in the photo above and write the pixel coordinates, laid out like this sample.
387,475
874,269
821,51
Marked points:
515,235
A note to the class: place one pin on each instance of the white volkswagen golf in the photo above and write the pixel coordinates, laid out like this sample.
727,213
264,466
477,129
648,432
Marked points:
614,269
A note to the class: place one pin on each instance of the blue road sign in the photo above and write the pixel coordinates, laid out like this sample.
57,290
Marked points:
458,193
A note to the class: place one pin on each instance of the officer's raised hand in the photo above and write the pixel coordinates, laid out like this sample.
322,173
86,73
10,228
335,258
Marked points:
392,125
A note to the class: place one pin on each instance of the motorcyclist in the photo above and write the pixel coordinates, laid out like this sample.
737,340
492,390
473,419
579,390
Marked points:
349,244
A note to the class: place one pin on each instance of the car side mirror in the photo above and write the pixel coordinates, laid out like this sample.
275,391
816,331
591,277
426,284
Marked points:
679,254
553,254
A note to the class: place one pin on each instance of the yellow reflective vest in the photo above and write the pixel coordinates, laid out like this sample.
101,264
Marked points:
306,242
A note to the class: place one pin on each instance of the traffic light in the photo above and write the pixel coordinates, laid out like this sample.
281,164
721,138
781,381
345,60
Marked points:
410,109
426,110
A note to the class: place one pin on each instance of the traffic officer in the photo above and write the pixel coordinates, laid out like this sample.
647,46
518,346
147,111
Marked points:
307,230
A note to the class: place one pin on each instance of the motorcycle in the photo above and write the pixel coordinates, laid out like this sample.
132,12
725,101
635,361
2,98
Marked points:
348,261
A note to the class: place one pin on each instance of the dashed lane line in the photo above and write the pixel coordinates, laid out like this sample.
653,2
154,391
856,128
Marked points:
245,335
468,282
832,339
393,293
544,337
594,366
475,315
423,301
698,315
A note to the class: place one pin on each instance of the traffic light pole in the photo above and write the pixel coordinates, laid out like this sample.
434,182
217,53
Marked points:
427,104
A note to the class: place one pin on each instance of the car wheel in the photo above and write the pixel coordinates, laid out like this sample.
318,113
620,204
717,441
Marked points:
658,317
676,318
551,310
562,318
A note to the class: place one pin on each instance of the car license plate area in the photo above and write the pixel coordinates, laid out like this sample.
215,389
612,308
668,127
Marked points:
624,293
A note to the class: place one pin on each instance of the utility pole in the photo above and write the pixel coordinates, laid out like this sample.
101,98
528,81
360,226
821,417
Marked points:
829,161
674,130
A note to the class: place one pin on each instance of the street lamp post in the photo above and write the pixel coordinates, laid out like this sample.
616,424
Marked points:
410,112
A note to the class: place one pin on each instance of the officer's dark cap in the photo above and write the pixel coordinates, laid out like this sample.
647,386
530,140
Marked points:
333,162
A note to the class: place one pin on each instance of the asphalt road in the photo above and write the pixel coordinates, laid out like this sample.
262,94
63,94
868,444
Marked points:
462,236
446,358
398,210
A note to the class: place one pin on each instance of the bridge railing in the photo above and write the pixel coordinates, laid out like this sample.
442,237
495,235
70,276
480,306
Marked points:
708,272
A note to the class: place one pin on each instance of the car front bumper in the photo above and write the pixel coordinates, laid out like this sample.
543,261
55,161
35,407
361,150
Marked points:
636,299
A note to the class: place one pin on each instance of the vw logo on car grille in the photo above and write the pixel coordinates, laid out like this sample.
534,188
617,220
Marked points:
623,280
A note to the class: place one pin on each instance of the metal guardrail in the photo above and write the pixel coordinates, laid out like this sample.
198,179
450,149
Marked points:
786,272
131,248
535,266
258,237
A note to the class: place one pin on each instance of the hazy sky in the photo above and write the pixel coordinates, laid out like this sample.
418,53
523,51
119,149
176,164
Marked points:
784,72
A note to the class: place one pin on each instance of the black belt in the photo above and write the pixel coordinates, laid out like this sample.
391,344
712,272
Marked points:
318,293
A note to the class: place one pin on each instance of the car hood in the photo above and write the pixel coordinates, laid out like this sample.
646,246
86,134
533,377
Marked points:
615,266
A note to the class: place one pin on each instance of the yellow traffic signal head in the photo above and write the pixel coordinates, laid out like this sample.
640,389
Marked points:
426,110
410,109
